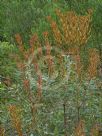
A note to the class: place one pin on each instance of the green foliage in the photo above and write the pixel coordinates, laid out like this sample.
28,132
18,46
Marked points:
18,18
7,64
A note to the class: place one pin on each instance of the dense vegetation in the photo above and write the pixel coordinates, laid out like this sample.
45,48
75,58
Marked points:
51,67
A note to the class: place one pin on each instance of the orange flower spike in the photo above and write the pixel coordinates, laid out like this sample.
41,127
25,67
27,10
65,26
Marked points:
18,39
20,43
48,48
26,55
39,48
45,34
31,50
73,51
39,82
33,39
63,21
49,18
75,28
56,31
2,131
15,118
94,61
36,66
16,57
21,66
58,12
78,64
26,84
95,130
80,130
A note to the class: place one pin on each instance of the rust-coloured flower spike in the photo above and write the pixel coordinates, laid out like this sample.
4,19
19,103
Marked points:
15,118
18,39
75,28
94,60
33,39
78,64
39,47
26,84
55,30
49,19
35,43
73,50
20,66
48,53
26,55
48,47
20,43
39,75
2,131
62,69
95,130
80,129
16,57
45,34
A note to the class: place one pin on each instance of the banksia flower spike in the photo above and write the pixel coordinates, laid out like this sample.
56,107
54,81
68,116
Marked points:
32,44
15,118
47,44
95,131
80,129
33,39
73,51
21,66
39,47
2,131
84,29
35,44
18,39
55,30
94,60
79,66
76,29
26,84
39,75
20,43
65,22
